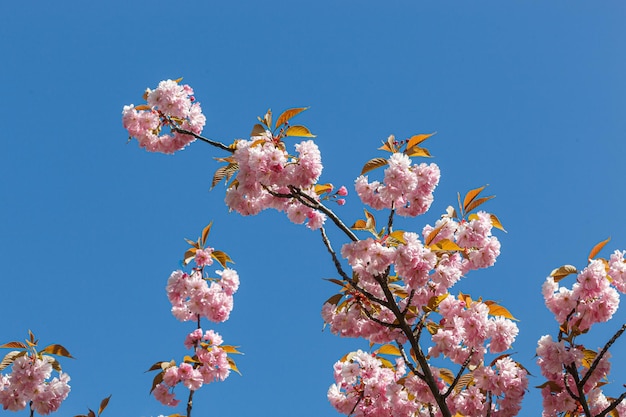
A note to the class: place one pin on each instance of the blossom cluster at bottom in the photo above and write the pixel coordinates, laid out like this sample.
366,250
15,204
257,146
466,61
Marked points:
28,383
368,386
210,363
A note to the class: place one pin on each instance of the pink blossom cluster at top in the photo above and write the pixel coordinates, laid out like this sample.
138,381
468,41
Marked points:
170,105
211,365
421,270
365,387
406,188
592,299
29,381
266,171
192,296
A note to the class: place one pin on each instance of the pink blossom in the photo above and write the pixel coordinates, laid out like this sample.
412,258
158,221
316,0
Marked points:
163,394
203,257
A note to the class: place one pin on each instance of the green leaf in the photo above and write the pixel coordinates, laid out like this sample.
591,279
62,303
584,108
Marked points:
57,350
300,131
288,114
373,164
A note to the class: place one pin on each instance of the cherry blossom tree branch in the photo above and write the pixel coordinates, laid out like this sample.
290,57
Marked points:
613,405
605,349
458,376
217,144
419,355
571,369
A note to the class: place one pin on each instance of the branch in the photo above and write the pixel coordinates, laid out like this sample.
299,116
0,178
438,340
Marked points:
580,387
605,349
189,403
613,405
203,139
419,355
408,362
345,276
458,376
314,204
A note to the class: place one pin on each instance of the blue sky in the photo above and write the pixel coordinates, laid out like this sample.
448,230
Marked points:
528,97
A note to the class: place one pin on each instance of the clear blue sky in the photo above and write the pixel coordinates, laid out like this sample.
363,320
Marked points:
527,96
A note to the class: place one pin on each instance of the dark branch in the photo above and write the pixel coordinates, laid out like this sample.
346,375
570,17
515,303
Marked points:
203,139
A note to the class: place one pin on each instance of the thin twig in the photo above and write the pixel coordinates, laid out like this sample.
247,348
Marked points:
605,349
458,376
613,405
582,400
203,139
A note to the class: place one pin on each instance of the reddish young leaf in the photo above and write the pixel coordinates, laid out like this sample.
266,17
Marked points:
417,139
14,345
10,357
143,107
359,225
417,151
334,300
388,350
257,130
103,404
288,114
373,164
232,364
475,203
189,256
563,271
498,310
300,131
230,349
597,249
221,257
389,145
470,196
57,350
495,222
323,188
205,234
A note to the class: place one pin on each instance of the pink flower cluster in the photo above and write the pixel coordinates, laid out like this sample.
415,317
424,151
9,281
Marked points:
423,271
366,387
406,188
169,105
209,364
266,173
463,330
192,296
498,391
29,381
592,299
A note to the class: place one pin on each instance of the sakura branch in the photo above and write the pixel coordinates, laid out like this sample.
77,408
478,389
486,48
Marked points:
400,283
